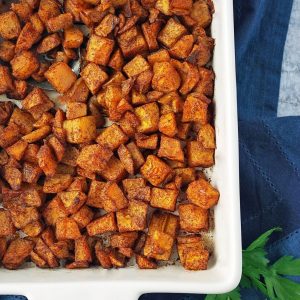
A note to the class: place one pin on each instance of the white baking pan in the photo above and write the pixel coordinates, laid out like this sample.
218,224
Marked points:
225,265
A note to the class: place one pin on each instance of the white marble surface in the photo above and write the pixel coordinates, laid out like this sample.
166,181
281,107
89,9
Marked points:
289,95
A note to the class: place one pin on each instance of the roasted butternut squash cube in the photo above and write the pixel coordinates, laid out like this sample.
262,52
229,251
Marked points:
7,50
201,13
60,76
165,79
99,49
136,154
132,42
79,184
146,141
54,210
46,160
164,6
123,240
60,22
83,216
205,85
6,83
67,229
195,108
170,148
73,37
202,194
80,130
94,157
37,260
22,9
24,64
192,218
145,263
155,170
179,7
114,170
17,150
30,154
132,218
72,200
57,183
106,223
49,43
48,9
129,123
17,252
136,189
29,35
200,54
31,172
112,137
148,115
22,216
186,174
33,229
33,195
113,198
161,55
95,194
107,25
116,61
82,250
10,27
164,198
102,255
94,77
161,236
78,92
57,146
171,33
183,47
13,176
7,227
198,156
76,110
192,253
136,66
37,134
70,156
126,159
206,136
9,135
150,31
117,259
167,124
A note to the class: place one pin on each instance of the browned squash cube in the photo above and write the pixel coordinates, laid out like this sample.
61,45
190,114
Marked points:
48,9
31,153
31,172
161,236
136,66
37,260
24,64
103,224
46,160
132,218
155,170
94,77
107,25
76,110
60,76
136,154
116,61
113,198
187,174
16,253
94,196
206,82
17,150
45,253
7,227
9,25
114,170
72,200
112,137
123,240
99,49
158,56
82,250
192,253
22,9
6,83
206,136
3,246
7,50
148,115
49,43
33,195
165,79
145,263
29,35
183,47
132,42
67,229
33,229
171,33
163,6
167,124
126,159
83,216
195,108
202,193
13,176
201,13
80,130
94,157
57,183
54,210
198,156
146,141
164,198
192,218
73,37
60,22
136,189
150,31
37,134
170,148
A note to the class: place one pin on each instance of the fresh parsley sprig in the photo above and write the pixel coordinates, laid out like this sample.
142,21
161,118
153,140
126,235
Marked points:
265,277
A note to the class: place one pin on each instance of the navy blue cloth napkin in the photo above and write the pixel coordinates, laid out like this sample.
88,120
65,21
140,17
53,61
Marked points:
269,146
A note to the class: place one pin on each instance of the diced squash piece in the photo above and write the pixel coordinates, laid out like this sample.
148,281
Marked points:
161,55
45,253
206,136
113,198
132,218
33,229
136,189
106,223
148,115
7,50
201,13
145,263
167,124
37,260
73,37
102,255
170,148
146,141
95,194
6,82
187,174
202,193
123,240
13,176
54,210
114,170
107,25
155,170
126,159
198,156
76,110
57,183
22,216
67,229
46,160
136,66
82,250
116,61
72,200
205,84
9,25
183,47
137,156
49,43
164,198
60,22
9,135
83,216
17,150
7,227
31,172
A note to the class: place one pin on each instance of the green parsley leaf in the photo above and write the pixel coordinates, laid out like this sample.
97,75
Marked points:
287,265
